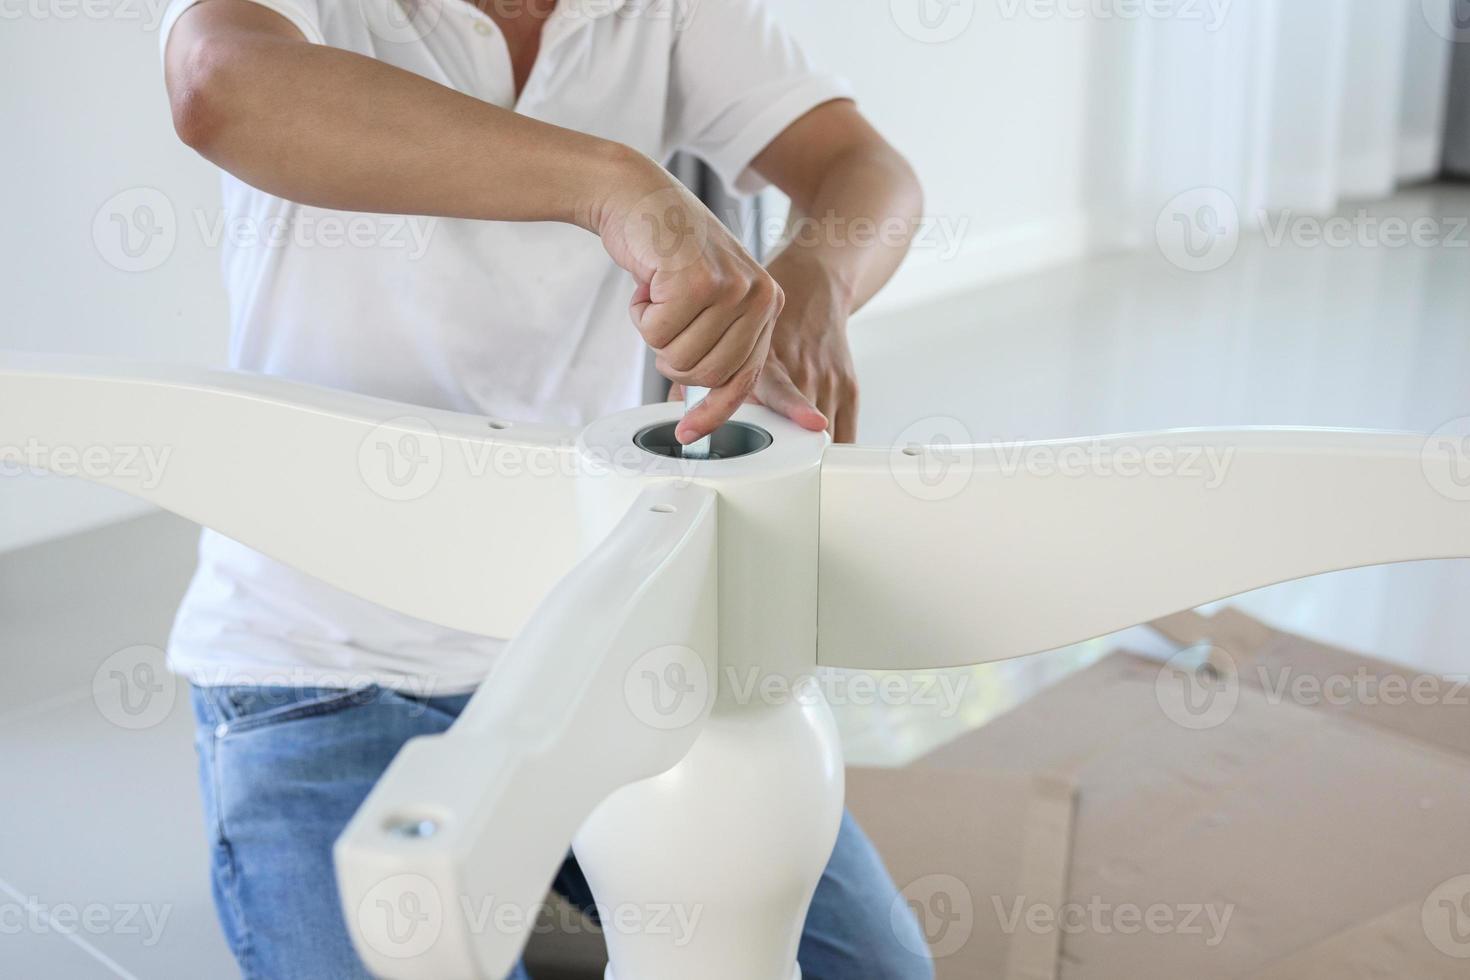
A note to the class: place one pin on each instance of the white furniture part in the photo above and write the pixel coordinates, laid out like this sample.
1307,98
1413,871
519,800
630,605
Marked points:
657,602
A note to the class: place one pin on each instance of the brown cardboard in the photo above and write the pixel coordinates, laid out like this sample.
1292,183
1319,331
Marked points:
1321,830
963,845
1373,949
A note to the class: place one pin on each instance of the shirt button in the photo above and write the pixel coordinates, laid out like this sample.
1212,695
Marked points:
221,731
482,28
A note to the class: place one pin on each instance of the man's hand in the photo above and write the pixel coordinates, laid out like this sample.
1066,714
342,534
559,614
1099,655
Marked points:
842,177
809,376
855,204
702,303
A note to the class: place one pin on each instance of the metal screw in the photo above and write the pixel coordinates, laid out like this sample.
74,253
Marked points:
699,448
417,829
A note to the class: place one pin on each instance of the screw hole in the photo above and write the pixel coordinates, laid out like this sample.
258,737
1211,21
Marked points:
413,828
912,451
727,442
663,508
497,424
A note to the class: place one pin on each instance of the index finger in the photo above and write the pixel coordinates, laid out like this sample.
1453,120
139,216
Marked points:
722,402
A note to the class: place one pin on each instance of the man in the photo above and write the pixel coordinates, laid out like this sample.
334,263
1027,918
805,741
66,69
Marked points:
530,131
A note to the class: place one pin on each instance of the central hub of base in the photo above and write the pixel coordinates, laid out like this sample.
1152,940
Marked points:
729,441
756,446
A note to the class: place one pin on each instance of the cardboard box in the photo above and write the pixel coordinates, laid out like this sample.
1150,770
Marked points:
973,852
1312,804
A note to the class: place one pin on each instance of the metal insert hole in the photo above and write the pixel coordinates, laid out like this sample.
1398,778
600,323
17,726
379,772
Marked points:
729,441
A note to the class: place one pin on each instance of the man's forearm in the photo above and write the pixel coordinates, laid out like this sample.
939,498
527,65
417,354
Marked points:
858,222
330,128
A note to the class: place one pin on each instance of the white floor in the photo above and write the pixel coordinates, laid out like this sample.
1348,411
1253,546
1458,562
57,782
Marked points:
98,819
97,815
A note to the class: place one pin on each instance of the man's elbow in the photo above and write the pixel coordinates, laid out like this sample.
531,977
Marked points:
198,89
877,158
906,179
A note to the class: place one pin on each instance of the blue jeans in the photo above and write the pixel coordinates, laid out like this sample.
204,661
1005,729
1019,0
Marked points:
283,769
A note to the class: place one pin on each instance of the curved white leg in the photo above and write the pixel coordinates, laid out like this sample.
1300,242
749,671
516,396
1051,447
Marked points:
413,508
443,867
966,554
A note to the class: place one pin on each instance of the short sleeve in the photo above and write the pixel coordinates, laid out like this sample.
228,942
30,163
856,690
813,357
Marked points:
737,81
304,14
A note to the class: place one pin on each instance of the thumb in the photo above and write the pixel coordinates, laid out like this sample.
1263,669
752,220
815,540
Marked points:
776,391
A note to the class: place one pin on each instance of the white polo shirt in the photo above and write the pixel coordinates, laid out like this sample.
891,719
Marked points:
516,320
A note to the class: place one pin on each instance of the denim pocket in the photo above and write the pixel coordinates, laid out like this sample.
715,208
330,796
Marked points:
247,709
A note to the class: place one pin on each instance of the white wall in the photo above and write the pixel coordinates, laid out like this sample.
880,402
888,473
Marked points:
998,109
1046,129
83,119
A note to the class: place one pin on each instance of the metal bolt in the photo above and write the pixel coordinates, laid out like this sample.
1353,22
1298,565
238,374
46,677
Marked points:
417,829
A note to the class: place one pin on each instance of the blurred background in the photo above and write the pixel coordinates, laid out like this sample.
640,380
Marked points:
1139,214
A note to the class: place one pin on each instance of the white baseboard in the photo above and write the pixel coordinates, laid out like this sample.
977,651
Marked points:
932,273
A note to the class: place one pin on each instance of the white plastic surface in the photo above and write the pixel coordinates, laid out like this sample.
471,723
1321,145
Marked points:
768,527
434,514
565,719
708,869
967,554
